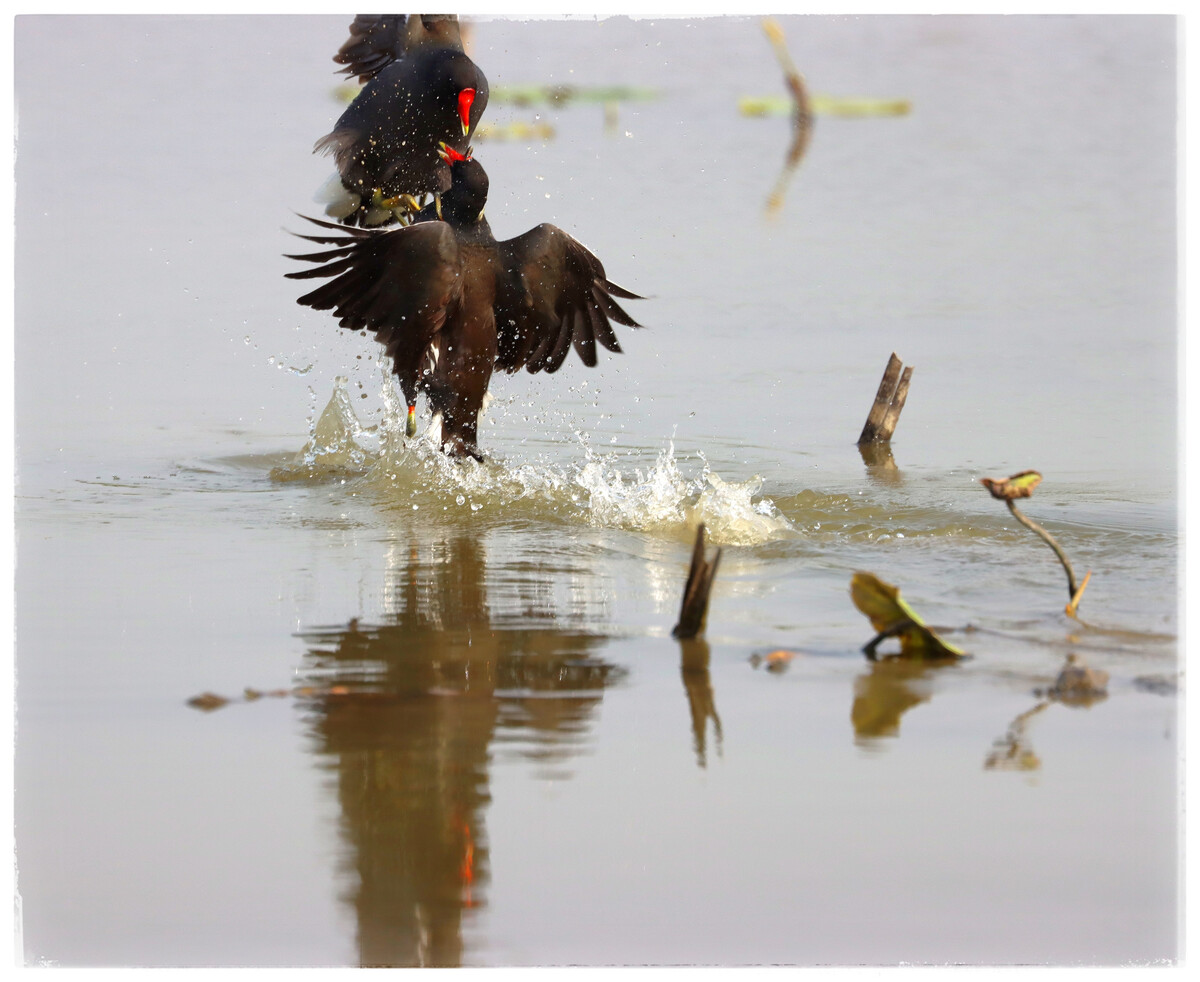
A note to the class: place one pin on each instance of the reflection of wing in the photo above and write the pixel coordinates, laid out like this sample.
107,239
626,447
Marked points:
376,40
557,295
400,284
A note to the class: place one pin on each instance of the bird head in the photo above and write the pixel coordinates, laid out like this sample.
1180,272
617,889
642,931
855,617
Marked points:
464,202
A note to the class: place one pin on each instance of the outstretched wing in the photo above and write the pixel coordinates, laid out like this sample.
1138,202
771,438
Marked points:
401,284
376,40
555,294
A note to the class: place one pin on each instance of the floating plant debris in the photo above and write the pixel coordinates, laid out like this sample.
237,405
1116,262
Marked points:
1021,485
892,617
1078,684
773,661
849,107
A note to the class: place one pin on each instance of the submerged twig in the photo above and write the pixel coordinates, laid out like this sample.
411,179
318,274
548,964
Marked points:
695,592
1033,526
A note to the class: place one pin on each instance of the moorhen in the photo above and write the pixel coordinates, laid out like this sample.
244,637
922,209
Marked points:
450,303
421,90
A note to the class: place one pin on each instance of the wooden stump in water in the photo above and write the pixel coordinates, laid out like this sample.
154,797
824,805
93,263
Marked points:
889,401
695,592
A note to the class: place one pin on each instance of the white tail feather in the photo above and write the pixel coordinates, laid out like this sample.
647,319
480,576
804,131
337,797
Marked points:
338,202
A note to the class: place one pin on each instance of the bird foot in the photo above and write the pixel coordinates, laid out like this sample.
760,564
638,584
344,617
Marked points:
380,210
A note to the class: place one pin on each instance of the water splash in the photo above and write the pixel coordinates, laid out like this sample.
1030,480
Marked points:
663,499
601,491
337,445
598,489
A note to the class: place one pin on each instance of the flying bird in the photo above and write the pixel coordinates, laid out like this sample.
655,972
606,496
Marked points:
450,304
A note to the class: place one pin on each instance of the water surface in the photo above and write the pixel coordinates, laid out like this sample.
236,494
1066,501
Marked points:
489,750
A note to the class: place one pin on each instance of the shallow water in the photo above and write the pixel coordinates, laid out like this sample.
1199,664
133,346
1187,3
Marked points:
471,738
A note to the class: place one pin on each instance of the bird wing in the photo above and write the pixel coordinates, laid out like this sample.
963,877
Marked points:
401,284
554,294
376,40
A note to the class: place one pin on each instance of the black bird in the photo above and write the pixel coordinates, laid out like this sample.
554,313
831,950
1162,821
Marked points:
450,303
421,90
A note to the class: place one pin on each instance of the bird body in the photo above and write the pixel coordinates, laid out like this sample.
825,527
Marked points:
450,303
421,90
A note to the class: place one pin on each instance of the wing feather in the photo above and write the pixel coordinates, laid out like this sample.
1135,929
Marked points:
557,296
400,283
376,40
583,336
602,328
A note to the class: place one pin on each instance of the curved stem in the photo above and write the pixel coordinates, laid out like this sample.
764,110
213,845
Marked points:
1049,540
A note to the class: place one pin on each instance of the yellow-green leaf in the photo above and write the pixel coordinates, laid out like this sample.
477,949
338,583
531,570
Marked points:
824,105
1019,485
887,612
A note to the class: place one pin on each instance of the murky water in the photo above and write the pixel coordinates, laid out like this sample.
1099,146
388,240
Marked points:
470,737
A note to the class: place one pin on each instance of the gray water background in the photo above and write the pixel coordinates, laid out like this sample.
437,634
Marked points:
1013,238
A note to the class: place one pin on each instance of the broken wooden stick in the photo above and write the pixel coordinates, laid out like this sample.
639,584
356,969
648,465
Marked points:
889,401
695,592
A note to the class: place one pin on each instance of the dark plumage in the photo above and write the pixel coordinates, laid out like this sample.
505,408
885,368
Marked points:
376,40
421,90
450,303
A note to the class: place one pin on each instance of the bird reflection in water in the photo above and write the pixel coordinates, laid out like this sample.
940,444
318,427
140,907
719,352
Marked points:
418,705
